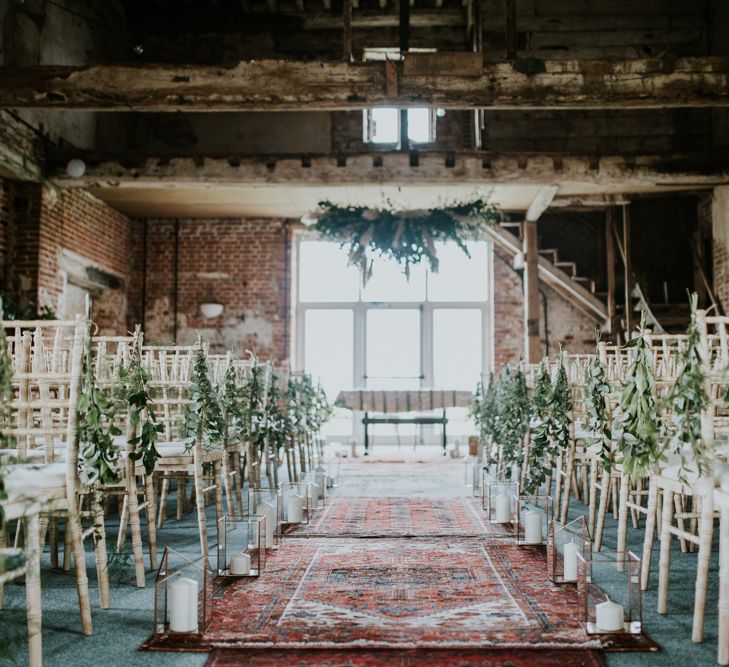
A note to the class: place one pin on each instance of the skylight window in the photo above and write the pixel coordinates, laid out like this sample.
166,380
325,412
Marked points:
382,125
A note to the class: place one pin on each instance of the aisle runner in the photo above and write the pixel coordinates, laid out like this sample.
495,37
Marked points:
398,517
395,593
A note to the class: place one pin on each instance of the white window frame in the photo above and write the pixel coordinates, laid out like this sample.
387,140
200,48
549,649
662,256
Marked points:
359,314
368,133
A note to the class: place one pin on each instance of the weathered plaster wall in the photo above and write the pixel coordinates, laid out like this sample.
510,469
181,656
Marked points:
720,231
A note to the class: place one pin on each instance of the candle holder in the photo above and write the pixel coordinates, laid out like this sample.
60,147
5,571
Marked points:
318,490
241,546
609,597
473,474
267,502
533,519
564,544
290,505
334,468
183,596
489,475
501,502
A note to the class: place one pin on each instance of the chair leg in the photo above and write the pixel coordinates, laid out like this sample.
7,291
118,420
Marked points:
706,532
679,507
665,563
67,546
602,510
151,523
623,521
200,503
102,564
123,522
51,524
2,546
218,481
33,592
723,651
592,498
182,495
229,500
162,512
567,483
134,523
650,529
73,528
238,483
615,493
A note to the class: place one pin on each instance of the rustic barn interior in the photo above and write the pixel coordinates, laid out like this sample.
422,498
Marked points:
364,332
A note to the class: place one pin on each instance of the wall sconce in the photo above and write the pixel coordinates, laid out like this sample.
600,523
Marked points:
210,310
76,168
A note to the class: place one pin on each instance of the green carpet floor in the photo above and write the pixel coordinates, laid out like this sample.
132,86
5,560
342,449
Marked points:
119,631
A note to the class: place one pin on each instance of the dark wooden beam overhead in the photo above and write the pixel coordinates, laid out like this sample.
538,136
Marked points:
292,85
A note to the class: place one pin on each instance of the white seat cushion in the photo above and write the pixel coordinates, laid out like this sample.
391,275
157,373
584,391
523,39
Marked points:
34,479
175,448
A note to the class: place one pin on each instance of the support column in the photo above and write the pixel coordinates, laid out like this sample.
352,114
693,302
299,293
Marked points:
610,259
628,272
532,351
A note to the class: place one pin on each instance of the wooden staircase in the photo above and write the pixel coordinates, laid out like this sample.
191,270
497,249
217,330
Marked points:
558,274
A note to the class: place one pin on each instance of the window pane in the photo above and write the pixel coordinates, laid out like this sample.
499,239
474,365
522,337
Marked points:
388,283
324,274
393,348
385,125
460,278
457,349
419,125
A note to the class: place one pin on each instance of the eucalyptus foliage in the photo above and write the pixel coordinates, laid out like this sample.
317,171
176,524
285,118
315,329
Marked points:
540,396
553,434
597,391
513,415
203,422
406,237
686,400
96,410
484,411
133,392
636,420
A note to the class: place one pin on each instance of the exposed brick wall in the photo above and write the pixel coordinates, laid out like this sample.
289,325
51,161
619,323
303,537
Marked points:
52,237
241,263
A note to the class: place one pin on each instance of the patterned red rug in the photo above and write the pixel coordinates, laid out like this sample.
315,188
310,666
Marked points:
394,593
400,517
412,658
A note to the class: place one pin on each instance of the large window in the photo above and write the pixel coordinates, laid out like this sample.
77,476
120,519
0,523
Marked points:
393,333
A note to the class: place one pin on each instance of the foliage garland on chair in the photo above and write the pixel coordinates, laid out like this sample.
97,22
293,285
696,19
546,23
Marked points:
406,237
513,416
133,392
686,399
598,418
203,421
553,434
636,422
230,405
96,410
539,402
485,413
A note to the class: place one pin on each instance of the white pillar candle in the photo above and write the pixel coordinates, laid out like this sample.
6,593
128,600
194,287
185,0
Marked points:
570,561
182,604
315,491
502,509
532,521
609,616
240,565
295,509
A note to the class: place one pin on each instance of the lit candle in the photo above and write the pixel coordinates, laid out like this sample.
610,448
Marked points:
502,509
240,565
182,604
570,561
269,511
532,527
609,616
295,509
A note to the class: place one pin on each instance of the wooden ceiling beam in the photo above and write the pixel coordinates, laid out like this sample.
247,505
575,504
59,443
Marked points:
446,82
614,173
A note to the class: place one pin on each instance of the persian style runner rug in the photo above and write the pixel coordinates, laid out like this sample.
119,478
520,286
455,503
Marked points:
400,517
407,658
432,593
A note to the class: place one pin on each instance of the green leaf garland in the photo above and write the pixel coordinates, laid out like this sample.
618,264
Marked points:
406,237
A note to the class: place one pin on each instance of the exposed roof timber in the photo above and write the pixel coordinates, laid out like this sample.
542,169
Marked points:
450,80
619,174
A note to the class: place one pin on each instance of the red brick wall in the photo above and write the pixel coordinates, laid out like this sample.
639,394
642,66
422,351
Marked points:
241,263
54,231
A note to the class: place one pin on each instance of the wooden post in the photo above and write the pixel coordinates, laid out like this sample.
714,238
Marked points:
610,259
347,31
511,29
628,274
404,48
532,349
